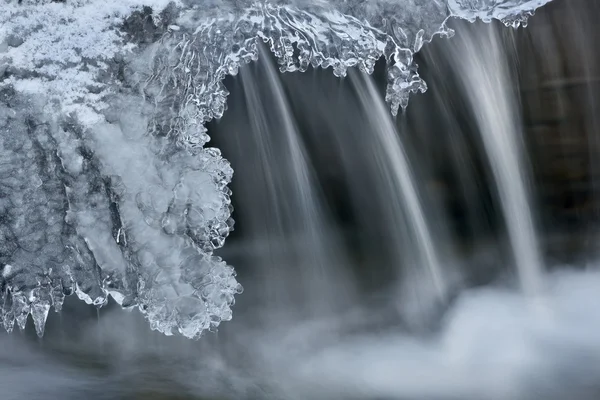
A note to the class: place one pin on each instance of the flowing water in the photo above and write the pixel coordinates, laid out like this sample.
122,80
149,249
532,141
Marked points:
399,188
295,243
344,221
483,67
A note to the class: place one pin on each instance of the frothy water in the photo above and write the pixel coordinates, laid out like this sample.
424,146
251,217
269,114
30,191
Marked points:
490,346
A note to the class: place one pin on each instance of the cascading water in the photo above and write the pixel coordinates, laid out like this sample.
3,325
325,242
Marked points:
417,248
300,249
482,65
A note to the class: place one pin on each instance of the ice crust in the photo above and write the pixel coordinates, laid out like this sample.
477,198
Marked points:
106,186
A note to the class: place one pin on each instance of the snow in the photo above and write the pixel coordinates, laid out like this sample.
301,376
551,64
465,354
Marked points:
62,44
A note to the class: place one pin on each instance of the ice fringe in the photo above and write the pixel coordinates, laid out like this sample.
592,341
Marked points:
76,218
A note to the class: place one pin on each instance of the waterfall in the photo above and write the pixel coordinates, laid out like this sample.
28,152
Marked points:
121,127
297,253
147,82
400,190
481,64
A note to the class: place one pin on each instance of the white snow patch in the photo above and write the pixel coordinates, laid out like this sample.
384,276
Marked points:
6,271
58,42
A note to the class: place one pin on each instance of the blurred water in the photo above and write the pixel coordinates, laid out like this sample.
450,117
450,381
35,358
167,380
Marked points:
314,227
295,249
415,249
483,66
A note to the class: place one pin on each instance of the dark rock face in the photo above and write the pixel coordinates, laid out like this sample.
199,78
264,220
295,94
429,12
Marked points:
558,81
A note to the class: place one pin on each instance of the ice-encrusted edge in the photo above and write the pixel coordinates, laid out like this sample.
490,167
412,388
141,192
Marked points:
197,54
59,67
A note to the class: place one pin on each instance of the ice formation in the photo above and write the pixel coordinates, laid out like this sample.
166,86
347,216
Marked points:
106,186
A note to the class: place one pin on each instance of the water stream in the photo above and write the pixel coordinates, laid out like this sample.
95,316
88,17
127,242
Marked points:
483,67
417,248
301,256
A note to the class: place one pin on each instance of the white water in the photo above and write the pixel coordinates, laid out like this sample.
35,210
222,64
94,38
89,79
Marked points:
482,64
303,267
401,191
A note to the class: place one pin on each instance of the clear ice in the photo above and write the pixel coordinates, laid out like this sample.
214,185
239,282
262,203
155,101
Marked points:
106,185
